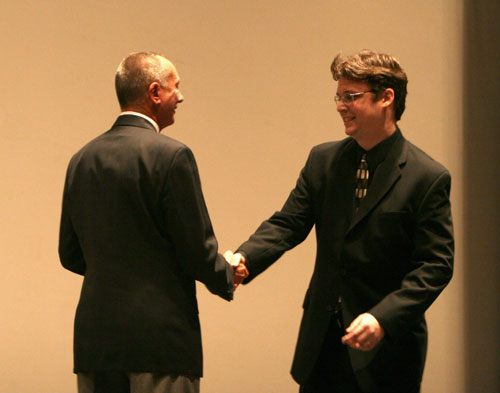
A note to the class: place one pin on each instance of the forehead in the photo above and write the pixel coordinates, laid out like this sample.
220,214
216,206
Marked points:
173,77
345,85
167,66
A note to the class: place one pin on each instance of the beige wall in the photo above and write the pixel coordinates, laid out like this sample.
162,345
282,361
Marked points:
258,96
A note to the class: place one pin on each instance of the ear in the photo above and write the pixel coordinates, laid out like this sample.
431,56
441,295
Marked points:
154,93
387,96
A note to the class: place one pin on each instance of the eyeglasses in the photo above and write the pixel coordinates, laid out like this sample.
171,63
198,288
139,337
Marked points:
348,98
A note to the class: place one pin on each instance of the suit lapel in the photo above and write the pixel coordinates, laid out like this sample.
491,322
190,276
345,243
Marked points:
343,178
386,175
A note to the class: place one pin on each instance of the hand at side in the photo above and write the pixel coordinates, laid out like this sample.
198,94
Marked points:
364,333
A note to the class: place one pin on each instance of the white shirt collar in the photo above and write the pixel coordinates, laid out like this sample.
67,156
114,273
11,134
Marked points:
157,128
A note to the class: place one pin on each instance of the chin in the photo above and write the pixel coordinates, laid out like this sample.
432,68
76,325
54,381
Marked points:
169,123
350,131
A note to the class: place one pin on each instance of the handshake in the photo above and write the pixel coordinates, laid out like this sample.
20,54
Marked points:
240,271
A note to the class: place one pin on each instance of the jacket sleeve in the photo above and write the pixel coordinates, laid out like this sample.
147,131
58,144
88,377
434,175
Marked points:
283,230
431,261
188,225
70,252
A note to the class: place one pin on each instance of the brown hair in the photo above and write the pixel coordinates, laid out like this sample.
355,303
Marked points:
378,70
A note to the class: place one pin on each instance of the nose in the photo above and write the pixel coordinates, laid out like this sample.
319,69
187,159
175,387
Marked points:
341,107
180,97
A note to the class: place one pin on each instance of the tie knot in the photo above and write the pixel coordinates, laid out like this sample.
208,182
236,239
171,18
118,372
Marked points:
362,172
363,162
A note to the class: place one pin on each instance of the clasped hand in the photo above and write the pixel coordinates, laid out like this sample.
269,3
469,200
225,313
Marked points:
364,333
240,271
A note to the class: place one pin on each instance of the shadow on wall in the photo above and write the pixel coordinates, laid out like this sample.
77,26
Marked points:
482,195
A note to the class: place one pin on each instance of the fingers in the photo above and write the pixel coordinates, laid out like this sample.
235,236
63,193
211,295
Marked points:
234,259
240,271
228,255
364,333
353,332
237,260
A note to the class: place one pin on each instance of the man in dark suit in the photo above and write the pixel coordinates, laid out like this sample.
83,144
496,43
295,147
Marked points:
381,210
135,225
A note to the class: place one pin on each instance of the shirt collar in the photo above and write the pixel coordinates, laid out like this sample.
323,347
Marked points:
378,153
155,125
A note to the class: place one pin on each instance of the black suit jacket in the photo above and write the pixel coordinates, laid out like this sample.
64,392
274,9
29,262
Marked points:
135,224
392,258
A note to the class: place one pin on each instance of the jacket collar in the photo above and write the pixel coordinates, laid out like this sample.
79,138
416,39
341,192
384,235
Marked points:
132,120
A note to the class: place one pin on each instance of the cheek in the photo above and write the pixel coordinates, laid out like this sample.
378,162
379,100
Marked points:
171,100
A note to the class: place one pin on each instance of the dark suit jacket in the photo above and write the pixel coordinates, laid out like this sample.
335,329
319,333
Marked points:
135,224
391,259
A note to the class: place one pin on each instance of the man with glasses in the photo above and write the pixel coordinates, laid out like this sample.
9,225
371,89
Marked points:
381,210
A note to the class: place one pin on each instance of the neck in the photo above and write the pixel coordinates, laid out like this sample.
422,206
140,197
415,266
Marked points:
142,113
140,109
376,136
144,109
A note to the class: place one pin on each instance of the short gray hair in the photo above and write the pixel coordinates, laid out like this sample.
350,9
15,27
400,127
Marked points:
136,72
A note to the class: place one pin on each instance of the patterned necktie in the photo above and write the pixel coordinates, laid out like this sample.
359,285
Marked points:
362,176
